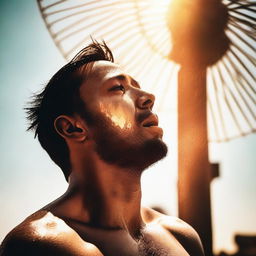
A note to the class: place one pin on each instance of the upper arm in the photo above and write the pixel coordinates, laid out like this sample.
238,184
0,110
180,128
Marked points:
185,235
180,230
29,241
30,246
14,246
190,240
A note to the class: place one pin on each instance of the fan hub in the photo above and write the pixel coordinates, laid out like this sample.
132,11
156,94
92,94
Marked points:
197,30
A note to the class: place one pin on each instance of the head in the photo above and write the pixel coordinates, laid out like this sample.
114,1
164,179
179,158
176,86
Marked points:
92,99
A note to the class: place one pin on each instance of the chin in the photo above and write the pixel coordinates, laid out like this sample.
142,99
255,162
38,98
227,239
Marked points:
137,156
153,151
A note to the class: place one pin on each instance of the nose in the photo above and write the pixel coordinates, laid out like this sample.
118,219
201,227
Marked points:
146,100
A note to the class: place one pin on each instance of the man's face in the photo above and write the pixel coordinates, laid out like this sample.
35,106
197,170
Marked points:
124,129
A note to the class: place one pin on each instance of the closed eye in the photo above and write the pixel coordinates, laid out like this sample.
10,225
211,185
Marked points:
117,88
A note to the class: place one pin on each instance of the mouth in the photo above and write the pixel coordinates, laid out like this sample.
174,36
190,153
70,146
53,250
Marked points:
150,123
152,120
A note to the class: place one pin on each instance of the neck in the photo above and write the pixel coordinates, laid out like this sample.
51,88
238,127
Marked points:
104,195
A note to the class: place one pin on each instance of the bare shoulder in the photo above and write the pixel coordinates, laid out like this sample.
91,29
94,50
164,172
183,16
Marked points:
45,234
182,231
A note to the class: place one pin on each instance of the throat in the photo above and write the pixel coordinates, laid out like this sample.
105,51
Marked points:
110,199
105,195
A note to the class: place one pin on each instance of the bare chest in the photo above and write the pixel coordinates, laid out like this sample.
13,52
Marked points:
162,245
153,242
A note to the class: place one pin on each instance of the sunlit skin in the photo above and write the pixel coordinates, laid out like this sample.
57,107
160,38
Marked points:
101,212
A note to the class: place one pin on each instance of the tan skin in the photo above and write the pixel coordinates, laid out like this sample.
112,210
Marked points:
101,213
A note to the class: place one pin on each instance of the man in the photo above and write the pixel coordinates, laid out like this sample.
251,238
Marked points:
97,124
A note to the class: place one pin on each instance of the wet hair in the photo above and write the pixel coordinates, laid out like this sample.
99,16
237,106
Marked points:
61,97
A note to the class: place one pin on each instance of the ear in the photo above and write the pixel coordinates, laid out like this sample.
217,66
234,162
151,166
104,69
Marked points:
70,128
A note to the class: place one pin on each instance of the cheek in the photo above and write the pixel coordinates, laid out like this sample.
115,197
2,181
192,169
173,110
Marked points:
121,114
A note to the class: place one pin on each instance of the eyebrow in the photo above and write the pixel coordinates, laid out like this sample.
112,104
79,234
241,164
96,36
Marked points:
126,78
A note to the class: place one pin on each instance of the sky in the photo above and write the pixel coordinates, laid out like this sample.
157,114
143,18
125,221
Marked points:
28,178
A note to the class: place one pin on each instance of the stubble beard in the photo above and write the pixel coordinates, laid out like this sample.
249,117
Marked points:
131,153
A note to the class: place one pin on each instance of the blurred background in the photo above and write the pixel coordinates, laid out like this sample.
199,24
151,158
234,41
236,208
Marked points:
35,43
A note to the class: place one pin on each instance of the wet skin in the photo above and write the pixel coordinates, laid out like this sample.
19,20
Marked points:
101,213
45,234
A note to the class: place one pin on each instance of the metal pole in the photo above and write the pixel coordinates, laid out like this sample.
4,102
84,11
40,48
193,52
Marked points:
194,175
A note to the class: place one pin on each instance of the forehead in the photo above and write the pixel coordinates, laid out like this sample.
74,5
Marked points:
100,73
104,70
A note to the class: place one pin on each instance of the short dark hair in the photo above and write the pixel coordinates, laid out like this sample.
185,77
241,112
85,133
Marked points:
61,96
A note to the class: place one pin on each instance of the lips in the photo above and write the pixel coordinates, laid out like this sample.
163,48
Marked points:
152,120
151,125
